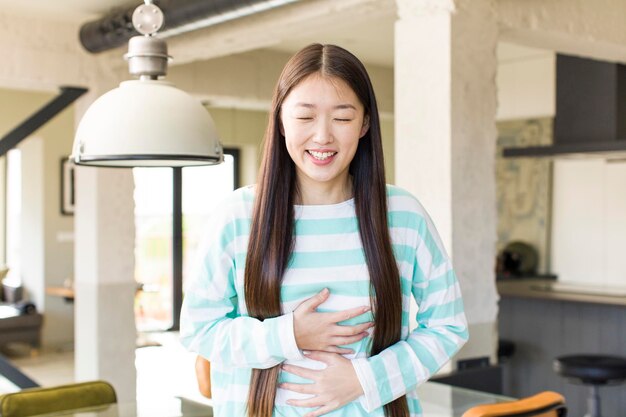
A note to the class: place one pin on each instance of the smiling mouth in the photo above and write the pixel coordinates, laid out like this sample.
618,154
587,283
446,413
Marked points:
321,156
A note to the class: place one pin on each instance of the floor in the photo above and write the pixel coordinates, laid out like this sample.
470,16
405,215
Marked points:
164,367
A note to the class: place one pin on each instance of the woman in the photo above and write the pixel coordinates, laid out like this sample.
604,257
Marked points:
302,300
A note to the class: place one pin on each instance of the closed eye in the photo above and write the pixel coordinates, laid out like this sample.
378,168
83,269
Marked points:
343,120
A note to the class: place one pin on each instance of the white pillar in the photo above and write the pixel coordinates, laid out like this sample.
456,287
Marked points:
32,233
445,108
105,287
3,211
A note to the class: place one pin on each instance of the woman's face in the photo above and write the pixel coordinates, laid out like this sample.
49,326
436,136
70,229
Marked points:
322,121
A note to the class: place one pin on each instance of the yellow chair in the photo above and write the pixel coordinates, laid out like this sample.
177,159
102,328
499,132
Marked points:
35,401
544,404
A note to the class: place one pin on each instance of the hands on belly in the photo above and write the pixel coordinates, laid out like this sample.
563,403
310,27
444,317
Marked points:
332,387
320,331
319,335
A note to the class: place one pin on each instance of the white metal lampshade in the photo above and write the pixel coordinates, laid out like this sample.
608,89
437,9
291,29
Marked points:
146,123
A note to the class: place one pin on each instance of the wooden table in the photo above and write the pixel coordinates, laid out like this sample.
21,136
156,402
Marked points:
66,293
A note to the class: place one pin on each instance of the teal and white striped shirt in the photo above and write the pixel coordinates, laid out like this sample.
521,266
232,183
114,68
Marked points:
327,254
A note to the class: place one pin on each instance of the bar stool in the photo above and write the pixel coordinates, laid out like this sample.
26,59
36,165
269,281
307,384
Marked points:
594,371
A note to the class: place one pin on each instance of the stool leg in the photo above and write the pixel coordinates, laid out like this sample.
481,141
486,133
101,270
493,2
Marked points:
593,402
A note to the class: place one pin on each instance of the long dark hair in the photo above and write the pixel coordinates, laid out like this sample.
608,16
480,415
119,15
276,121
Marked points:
271,234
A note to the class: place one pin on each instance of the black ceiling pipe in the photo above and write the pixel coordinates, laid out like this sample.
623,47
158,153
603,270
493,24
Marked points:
116,29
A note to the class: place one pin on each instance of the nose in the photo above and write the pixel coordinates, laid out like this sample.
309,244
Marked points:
323,133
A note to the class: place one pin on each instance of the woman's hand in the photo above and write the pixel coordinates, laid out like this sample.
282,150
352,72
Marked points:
332,387
320,331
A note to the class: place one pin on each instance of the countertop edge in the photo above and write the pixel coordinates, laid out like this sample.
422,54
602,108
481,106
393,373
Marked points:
527,288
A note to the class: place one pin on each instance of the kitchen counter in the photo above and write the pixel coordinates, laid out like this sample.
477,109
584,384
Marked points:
544,320
559,291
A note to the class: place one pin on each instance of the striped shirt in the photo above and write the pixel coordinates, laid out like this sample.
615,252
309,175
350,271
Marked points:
328,253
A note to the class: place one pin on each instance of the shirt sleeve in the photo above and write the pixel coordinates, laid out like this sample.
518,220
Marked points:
211,323
441,329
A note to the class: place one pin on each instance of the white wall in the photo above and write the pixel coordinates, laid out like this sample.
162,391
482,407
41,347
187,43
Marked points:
526,82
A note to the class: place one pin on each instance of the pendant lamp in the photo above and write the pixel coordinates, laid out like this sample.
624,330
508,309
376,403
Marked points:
146,122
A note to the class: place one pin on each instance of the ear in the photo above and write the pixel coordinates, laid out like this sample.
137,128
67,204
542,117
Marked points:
366,126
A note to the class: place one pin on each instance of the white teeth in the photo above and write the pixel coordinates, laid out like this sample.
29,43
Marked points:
322,155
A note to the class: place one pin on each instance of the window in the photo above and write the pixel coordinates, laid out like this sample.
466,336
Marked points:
166,200
153,247
202,190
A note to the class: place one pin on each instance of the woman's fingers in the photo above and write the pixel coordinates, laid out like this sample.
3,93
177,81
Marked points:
339,350
312,303
322,356
341,330
300,388
309,402
343,315
347,340
333,386
319,331
302,372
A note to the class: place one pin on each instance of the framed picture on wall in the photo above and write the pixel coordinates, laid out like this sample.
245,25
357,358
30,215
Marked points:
67,187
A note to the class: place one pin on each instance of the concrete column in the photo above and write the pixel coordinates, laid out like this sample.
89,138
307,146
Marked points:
445,108
105,331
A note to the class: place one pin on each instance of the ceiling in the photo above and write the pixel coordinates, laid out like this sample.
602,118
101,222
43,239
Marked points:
372,43
63,9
